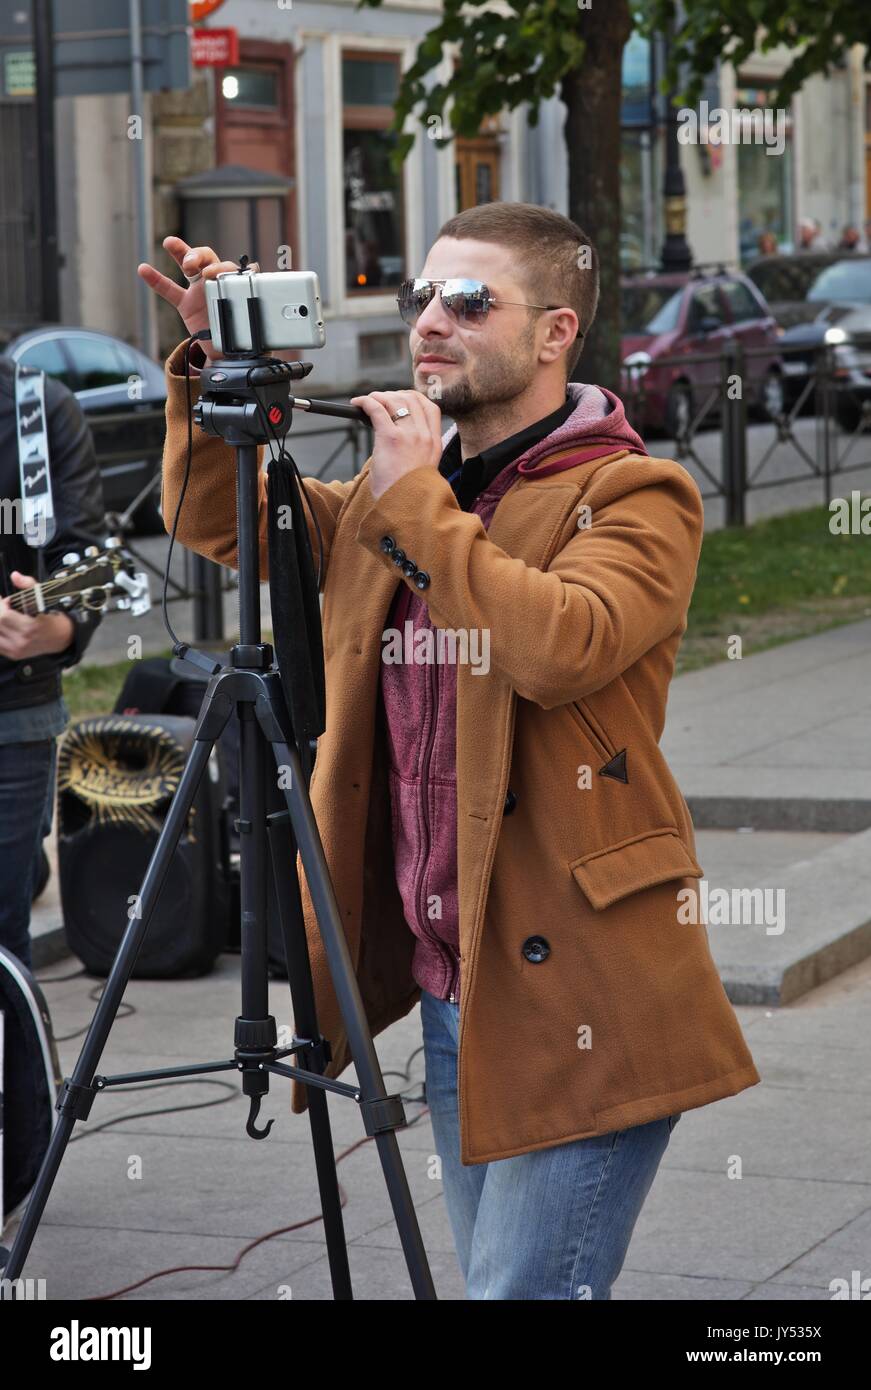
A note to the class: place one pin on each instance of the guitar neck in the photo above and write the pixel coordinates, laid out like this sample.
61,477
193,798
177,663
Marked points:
31,601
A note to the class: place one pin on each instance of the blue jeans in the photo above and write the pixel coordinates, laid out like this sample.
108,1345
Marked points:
554,1223
26,806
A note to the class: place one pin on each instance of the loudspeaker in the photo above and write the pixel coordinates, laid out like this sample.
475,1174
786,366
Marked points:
116,776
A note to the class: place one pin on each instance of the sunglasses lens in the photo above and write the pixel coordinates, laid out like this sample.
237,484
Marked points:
467,300
413,297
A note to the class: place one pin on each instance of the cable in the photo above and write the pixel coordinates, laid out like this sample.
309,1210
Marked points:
204,333
125,1010
269,1235
59,979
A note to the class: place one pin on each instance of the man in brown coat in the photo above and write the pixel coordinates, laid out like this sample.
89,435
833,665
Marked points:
505,839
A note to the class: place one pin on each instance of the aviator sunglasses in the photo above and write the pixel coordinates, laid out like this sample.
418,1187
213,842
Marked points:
468,301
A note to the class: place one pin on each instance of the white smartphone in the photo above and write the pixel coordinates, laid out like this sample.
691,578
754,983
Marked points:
291,315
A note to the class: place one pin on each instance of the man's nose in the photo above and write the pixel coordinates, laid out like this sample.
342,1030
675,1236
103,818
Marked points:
435,318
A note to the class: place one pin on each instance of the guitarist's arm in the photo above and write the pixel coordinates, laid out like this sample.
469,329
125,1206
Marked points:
78,506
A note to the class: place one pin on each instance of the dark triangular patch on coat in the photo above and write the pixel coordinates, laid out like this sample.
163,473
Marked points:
616,768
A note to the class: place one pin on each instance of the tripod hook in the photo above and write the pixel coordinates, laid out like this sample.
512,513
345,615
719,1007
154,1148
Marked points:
250,1127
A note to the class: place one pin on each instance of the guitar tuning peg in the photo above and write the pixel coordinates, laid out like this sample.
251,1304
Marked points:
71,558
112,543
91,551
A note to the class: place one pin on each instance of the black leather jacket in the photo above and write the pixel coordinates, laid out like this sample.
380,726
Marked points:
78,505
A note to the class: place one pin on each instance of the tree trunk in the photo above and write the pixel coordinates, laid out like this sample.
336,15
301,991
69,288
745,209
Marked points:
592,94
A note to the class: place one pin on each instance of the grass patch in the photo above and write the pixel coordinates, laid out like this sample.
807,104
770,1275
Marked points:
775,581
91,690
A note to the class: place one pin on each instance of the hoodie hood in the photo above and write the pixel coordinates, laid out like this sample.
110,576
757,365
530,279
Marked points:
597,423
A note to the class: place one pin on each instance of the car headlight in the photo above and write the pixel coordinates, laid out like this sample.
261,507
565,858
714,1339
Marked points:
833,337
637,363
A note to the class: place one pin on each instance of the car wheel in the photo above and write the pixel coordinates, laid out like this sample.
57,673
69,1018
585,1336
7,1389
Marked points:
679,410
772,397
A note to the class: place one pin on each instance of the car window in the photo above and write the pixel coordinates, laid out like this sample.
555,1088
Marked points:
741,302
47,356
97,363
787,279
848,280
705,304
650,308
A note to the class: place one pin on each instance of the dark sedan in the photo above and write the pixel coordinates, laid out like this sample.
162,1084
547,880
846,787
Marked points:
827,301
123,395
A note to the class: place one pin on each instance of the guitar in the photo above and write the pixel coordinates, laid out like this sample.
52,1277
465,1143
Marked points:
98,580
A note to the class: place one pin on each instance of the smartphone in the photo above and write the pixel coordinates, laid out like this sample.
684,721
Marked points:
291,315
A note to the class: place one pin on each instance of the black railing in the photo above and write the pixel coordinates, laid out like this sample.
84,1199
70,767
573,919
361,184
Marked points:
832,383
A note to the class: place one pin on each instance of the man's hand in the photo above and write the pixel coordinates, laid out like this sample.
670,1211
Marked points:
414,441
23,637
190,302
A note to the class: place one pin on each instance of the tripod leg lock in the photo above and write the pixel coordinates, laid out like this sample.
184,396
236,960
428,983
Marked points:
76,1101
383,1114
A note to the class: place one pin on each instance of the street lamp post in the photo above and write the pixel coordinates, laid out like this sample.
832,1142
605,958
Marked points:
676,253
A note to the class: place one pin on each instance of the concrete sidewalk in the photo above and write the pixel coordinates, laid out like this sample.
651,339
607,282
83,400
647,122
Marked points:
773,753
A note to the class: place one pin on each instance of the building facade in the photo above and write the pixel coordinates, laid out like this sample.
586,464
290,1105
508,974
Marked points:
284,156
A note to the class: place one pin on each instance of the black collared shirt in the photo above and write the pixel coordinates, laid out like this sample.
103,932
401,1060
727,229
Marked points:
470,478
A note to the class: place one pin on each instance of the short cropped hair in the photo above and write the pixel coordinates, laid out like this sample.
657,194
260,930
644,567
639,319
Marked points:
549,254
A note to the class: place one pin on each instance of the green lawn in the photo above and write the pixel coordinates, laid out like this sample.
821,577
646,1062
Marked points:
774,581
770,582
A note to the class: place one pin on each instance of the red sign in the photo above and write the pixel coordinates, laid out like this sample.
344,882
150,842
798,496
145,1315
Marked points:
201,8
215,48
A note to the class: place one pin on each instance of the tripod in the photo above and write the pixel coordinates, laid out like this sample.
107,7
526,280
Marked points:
253,686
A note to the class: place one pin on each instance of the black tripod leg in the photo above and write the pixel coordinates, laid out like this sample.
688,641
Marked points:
78,1093
344,981
282,847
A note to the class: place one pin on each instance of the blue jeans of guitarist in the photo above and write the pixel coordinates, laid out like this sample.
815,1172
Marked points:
552,1224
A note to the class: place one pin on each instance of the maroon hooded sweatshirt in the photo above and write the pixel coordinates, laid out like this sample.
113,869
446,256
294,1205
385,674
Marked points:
420,707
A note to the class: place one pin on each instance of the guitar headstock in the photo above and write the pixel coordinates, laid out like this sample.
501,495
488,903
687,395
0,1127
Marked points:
98,580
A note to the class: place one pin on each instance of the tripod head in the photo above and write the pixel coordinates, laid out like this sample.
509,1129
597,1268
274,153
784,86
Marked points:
245,399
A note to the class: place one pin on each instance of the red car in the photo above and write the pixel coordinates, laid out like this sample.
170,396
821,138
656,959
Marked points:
674,316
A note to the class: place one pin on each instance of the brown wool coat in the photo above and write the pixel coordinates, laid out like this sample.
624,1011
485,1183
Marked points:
626,1020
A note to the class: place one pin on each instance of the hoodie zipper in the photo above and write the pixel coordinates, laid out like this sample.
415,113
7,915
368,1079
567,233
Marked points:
424,799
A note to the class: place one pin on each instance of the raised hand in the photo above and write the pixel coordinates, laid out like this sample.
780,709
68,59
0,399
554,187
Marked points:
198,264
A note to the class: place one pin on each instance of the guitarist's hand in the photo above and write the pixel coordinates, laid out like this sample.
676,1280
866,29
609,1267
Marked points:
22,637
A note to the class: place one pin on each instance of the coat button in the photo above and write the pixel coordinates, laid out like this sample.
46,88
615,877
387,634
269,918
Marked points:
387,544
536,949
409,568
398,556
510,803
421,579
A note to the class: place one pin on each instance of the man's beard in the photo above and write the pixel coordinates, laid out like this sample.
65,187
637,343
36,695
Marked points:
497,379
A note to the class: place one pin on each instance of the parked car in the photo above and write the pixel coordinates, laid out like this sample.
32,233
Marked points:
123,395
827,295
675,316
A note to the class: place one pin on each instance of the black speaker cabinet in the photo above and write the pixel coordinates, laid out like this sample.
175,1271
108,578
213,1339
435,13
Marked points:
116,777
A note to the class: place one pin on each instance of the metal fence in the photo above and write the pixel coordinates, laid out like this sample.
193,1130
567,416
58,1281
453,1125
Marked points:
831,382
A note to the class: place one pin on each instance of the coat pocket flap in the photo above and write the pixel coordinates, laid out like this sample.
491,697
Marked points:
609,874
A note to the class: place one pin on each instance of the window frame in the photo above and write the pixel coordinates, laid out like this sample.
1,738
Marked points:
376,118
